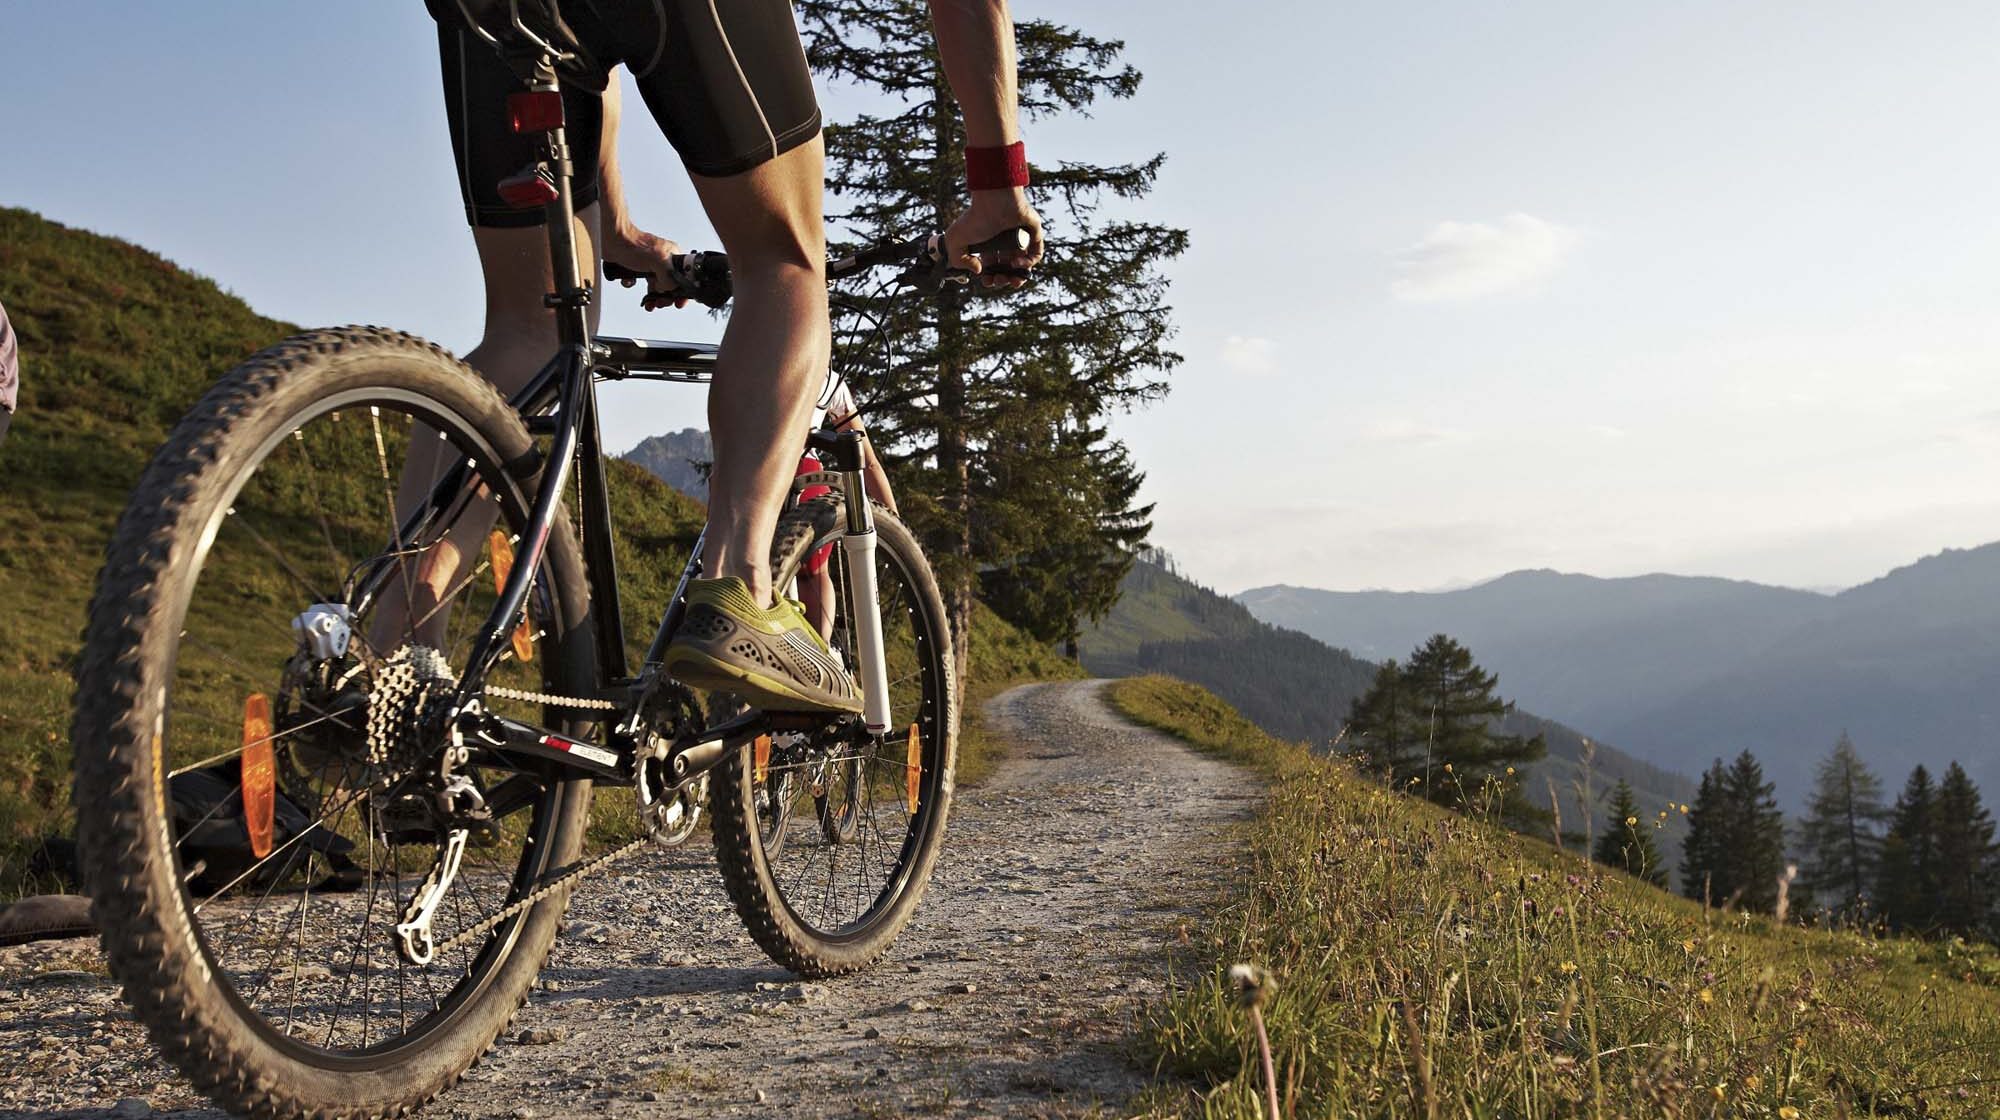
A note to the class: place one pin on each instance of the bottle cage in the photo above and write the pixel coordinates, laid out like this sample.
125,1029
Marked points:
531,35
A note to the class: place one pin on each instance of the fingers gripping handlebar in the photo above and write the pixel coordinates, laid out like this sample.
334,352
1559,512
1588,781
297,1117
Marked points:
704,277
701,277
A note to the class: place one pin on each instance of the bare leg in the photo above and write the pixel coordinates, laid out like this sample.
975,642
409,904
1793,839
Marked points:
519,340
816,596
776,346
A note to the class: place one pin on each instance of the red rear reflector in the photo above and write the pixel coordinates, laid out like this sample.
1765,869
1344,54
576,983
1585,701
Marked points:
535,111
528,190
260,774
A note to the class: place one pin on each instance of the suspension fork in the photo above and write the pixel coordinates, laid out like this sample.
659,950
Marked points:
847,454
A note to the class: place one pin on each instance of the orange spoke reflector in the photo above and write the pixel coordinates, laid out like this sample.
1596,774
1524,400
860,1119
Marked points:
260,773
762,754
913,768
503,566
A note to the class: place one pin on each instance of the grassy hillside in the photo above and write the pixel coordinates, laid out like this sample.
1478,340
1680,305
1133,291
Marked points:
1429,964
1297,687
116,343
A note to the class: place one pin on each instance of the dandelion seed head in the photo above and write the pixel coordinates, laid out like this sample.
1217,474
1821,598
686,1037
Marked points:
1253,983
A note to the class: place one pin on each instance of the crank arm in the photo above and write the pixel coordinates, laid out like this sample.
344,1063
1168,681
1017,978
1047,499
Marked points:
697,755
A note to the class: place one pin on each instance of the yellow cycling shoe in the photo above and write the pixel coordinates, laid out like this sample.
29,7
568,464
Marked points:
770,656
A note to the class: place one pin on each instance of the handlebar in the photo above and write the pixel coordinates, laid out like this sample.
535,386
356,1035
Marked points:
704,276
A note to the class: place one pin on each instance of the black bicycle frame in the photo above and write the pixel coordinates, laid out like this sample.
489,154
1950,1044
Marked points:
560,402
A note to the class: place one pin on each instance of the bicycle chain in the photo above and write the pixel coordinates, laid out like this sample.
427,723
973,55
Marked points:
582,870
568,878
580,703
575,874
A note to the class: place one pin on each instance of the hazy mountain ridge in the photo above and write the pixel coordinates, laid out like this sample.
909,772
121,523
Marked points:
1683,669
671,457
1298,687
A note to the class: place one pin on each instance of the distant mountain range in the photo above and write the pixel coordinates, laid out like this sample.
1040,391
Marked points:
1298,687
1680,670
679,459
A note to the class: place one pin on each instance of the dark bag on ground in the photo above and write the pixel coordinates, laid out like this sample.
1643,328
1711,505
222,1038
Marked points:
214,841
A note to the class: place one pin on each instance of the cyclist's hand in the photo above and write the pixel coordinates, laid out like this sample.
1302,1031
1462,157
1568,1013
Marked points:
642,252
991,214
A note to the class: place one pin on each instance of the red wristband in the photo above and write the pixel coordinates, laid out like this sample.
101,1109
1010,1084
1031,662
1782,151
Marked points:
997,169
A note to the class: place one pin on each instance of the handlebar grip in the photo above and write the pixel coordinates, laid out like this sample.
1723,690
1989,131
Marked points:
701,277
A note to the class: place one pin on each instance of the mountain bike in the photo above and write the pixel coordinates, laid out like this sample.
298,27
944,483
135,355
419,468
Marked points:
377,607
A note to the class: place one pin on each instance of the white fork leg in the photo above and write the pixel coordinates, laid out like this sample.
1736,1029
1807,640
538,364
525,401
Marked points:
873,671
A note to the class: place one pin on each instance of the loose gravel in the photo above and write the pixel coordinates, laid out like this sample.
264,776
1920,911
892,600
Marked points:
1066,881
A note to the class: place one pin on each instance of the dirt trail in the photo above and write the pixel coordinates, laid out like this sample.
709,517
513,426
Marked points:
1012,994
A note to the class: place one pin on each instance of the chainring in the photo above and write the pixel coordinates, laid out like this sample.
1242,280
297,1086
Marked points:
669,811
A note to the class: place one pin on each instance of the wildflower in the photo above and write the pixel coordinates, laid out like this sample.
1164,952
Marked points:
1721,1091
1684,810
1687,945
1707,996
1253,984
1631,822
1510,770
1569,968
1753,1083
1447,767
1788,1113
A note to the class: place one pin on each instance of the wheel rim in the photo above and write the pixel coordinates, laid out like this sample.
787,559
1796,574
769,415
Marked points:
844,873
300,939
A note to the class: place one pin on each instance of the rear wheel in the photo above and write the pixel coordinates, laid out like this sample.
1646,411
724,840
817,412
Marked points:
256,818
832,897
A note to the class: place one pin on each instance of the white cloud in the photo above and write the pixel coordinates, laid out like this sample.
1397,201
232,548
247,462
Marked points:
1252,357
1412,433
1471,260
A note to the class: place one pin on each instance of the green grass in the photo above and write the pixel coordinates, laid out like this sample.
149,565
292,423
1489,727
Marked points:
116,344
1432,964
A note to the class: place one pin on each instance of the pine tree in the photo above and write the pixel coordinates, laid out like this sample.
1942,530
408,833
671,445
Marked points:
1063,573
1968,858
1841,836
1707,839
962,393
1627,843
1446,746
1382,734
1735,850
1757,848
1908,883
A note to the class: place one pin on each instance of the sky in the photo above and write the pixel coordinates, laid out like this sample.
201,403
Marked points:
1707,288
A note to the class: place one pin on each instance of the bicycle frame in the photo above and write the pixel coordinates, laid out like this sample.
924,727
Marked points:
560,402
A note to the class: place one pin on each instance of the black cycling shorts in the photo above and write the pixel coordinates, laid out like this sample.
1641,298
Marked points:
726,80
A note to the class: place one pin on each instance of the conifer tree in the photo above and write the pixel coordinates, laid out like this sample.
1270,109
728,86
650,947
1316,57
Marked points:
1627,843
1382,734
1431,724
1757,848
1707,839
1841,838
1908,882
961,392
1735,850
1968,858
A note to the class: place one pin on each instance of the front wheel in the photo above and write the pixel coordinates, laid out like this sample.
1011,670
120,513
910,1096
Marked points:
833,898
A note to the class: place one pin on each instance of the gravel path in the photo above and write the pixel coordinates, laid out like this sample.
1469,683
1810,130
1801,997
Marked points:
1064,879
